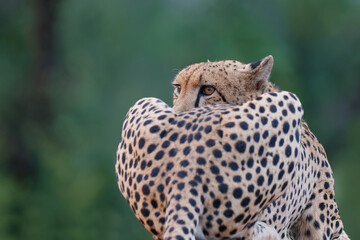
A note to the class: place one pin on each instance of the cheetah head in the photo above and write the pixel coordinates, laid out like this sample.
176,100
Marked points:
220,82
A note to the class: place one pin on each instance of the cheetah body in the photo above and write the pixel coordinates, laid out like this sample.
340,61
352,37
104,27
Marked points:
214,172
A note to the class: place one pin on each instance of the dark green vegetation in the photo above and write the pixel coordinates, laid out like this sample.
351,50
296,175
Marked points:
69,71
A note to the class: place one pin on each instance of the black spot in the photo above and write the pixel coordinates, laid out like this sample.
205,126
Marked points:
219,179
145,190
260,181
147,122
248,176
159,155
230,125
291,167
210,143
186,151
163,134
263,162
201,161
181,186
217,153
169,166
288,151
183,138
184,163
181,123
245,202
145,212
190,138
297,136
244,125
154,172
316,224
233,136
172,152
250,163
276,159
291,108
239,218
227,147
265,134
200,149
272,141
281,174
240,146
258,199
141,143
193,192
264,120
237,193
273,108
207,129
151,148
197,136
228,213
270,179
233,166
256,137
274,123
216,203
182,174
173,137
261,151
223,188
154,129
237,179
286,127
165,144
214,169
251,188
222,228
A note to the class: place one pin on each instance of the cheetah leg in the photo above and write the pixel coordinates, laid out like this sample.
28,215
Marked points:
321,219
181,220
262,231
258,231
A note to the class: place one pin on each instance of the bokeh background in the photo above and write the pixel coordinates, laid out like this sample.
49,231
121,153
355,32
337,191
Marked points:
70,70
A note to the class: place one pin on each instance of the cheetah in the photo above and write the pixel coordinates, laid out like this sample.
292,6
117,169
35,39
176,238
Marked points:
214,171
308,208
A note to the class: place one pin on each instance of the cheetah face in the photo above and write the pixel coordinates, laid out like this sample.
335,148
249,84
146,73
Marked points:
210,83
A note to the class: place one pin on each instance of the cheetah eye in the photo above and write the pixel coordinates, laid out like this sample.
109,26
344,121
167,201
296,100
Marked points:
207,90
177,88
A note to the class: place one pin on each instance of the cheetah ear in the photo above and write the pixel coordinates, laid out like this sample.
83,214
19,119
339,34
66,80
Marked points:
261,70
263,67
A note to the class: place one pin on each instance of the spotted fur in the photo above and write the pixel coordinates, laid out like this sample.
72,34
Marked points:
214,172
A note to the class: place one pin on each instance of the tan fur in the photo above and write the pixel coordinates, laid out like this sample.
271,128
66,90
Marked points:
239,82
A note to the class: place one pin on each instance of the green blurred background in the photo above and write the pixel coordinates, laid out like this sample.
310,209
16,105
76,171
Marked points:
70,70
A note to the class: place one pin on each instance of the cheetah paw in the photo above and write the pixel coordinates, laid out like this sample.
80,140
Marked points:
262,231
